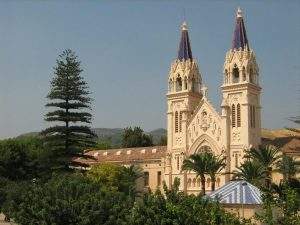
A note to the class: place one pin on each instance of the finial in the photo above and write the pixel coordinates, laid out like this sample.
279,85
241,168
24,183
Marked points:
184,26
239,13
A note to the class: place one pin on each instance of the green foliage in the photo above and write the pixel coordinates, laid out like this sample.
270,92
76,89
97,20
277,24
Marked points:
250,171
267,157
281,205
69,96
204,163
116,177
103,144
135,137
163,140
288,167
24,158
176,208
67,199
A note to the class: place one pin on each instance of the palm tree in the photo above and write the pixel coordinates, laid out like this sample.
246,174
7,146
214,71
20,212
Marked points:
198,164
267,158
250,171
288,167
215,165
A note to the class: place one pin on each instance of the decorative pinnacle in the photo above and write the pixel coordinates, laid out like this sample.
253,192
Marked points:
184,26
239,13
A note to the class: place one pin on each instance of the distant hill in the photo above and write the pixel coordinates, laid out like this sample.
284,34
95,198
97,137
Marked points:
114,135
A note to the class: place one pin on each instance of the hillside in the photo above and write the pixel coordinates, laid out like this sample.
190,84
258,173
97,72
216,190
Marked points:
113,135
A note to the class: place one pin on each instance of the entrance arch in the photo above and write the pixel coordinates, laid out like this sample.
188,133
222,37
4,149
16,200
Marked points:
204,142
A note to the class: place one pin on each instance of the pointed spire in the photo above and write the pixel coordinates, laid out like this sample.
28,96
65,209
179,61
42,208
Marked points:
239,36
185,51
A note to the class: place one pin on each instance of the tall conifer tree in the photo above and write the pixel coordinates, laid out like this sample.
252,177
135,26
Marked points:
69,105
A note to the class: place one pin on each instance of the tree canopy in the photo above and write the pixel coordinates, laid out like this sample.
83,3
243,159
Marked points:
70,103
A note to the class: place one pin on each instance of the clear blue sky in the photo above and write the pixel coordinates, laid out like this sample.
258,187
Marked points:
126,48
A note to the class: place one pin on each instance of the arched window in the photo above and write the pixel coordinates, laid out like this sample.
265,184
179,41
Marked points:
194,182
208,182
178,84
170,85
176,122
180,121
189,182
178,162
218,182
193,84
198,182
235,75
226,76
251,75
244,74
204,148
233,115
185,84
238,115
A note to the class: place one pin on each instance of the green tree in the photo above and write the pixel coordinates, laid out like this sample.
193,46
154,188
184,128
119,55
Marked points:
214,166
24,158
69,96
163,140
176,208
103,144
267,157
288,167
250,171
116,177
67,199
135,137
199,164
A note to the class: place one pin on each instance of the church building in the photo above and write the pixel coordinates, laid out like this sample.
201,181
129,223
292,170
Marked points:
194,124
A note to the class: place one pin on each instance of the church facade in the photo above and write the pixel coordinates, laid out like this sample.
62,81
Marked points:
194,125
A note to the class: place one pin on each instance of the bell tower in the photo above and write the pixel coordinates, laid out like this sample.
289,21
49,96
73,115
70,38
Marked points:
241,95
184,83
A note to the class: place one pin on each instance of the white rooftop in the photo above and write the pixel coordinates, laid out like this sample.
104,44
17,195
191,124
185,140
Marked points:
237,192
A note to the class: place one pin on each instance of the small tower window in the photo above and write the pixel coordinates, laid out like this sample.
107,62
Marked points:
244,74
176,122
238,115
235,75
170,85
251,75
185,84
226,76
178,162
178,84
193,84
233,115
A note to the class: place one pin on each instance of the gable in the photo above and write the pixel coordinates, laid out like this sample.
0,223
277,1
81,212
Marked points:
204,128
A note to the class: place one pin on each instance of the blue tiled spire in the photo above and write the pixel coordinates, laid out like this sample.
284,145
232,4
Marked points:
239,36
185,51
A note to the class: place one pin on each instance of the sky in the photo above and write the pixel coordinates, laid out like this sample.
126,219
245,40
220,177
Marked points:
126,48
